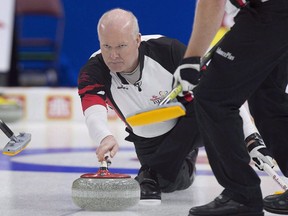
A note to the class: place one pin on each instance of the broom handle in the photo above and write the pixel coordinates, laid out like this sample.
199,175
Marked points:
6,130
171,95
174,92
275,176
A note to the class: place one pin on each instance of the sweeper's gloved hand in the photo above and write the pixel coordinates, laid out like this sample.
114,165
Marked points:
187,74
108,145
258,151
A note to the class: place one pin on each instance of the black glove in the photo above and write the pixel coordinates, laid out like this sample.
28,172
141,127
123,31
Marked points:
258,151
187,74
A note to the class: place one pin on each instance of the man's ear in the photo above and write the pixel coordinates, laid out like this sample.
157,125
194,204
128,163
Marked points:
139,39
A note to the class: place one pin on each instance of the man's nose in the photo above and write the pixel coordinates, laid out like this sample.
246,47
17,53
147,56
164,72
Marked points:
114,54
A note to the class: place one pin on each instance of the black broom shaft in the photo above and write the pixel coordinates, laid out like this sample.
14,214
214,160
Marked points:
6,130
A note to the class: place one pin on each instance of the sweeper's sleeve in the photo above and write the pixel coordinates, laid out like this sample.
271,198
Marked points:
97,123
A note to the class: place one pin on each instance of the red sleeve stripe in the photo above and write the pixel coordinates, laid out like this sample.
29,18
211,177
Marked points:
89,88
89,100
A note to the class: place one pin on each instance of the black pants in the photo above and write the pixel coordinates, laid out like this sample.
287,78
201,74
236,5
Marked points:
166,154
269,108
249,53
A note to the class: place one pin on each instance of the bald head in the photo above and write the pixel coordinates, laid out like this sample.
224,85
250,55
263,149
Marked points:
120,20
119,39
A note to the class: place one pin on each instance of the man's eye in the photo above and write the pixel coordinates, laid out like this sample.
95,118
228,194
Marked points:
122,45
106,46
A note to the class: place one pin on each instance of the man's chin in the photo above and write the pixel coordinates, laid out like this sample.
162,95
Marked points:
116,70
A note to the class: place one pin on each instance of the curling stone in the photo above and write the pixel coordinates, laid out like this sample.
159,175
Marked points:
105,191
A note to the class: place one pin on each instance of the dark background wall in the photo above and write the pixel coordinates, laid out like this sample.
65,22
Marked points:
167,17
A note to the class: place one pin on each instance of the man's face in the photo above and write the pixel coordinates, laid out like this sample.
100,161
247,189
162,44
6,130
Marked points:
119,48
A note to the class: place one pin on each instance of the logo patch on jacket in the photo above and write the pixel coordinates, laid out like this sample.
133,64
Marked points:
157,99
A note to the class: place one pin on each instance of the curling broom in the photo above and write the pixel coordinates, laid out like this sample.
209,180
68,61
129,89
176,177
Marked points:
16,143
166,110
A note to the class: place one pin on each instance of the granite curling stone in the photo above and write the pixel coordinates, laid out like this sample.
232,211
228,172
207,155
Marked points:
105,191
